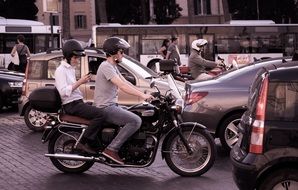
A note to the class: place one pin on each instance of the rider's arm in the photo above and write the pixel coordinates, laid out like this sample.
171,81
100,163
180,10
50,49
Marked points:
124,86
205,63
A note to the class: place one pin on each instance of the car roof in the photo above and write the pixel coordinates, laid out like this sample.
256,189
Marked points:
284,74
52,53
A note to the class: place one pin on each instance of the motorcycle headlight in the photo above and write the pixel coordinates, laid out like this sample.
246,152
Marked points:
179,105
15,84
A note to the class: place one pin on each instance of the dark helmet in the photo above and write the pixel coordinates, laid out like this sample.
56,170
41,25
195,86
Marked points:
113,44
72,48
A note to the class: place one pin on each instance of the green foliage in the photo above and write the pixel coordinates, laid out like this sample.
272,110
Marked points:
18,9
166,11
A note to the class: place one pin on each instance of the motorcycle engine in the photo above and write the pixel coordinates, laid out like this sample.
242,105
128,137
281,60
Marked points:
136,150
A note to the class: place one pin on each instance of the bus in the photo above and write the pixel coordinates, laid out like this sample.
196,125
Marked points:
240,41
37,37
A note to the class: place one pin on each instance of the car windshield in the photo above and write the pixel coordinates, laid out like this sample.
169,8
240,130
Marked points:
135,65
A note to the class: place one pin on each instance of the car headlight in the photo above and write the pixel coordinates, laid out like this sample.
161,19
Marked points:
15,84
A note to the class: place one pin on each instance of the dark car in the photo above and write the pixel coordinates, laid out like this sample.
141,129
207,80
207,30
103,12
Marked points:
10,88
220,102
266,154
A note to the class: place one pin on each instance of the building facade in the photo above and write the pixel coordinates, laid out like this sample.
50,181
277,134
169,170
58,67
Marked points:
83,15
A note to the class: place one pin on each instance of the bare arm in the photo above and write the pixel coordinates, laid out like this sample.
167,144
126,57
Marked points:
129,89
13,51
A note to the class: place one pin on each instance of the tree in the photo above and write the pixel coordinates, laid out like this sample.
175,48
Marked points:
279,11
166,11
137,12
18,9
66,20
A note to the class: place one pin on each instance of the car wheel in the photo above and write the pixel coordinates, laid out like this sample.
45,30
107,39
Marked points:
228,132
35,120
286,178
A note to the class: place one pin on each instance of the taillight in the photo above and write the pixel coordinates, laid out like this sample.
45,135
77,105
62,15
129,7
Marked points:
257,134
24,87
195,97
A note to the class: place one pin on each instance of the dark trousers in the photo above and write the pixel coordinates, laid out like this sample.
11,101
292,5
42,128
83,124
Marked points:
92,113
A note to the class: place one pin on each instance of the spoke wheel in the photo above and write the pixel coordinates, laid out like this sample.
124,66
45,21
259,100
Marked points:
202,157
62,143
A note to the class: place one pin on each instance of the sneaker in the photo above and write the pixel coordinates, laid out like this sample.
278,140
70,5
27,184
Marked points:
85,148
113,156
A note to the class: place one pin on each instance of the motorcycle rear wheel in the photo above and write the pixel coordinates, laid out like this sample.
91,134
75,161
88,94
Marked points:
197,163
62,143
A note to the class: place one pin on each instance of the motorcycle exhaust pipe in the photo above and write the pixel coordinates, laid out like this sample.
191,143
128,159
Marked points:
72,157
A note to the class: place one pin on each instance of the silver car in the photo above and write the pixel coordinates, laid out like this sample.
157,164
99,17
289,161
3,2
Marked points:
41,69
220,102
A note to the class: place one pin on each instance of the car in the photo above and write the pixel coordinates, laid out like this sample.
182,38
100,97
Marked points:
42,66
10,88
266,154
220,102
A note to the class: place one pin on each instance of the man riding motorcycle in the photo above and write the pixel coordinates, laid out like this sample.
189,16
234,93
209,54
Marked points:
199,66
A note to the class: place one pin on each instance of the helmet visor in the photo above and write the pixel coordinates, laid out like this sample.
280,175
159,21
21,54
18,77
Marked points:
79,53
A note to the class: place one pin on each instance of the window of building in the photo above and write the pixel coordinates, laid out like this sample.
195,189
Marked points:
55,19
202,7
80,21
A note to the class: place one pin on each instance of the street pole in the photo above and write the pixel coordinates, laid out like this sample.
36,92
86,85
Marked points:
52,37
258,10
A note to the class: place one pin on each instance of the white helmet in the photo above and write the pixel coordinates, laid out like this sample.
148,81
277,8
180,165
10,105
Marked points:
197,44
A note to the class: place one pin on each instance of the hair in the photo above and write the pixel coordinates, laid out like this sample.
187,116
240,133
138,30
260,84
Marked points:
21,38
165,41
173,38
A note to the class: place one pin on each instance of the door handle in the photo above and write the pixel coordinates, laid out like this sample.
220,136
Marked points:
92,87
49,85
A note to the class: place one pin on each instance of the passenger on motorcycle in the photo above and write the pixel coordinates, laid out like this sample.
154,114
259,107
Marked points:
199,66
72,97
108,81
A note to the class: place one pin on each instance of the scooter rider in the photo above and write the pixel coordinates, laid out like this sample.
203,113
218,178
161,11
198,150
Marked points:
72,97
108,81
197,64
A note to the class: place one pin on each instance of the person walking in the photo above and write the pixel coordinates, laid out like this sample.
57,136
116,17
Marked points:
108,81
23,52
72,97
164,48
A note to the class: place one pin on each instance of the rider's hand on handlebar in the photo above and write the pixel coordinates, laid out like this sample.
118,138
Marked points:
147,97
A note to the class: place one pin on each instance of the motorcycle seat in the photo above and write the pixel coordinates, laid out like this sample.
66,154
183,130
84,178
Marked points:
73,119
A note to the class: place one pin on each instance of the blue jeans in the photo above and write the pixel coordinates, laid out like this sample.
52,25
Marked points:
119,116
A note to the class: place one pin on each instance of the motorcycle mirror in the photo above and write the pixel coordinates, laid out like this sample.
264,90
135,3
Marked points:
152,84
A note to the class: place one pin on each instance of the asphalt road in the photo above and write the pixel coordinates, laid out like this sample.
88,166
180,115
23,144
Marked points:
23,167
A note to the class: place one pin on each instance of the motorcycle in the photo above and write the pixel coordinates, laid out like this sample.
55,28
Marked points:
168,67
188,148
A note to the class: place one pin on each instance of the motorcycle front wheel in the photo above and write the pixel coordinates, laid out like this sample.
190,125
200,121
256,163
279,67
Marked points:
64,144
199,161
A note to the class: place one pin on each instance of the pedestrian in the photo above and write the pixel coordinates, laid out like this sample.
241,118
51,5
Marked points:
164,48
173,51
108,81
23,52
72,97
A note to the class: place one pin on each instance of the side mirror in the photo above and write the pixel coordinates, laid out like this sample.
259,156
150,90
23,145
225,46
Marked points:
152,84
130,79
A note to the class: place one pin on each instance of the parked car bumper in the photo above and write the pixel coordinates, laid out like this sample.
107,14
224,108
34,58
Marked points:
22,104
244,173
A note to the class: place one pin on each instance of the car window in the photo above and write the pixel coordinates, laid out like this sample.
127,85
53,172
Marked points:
54,63
93,63
37,69
282,101
52,66
138,67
